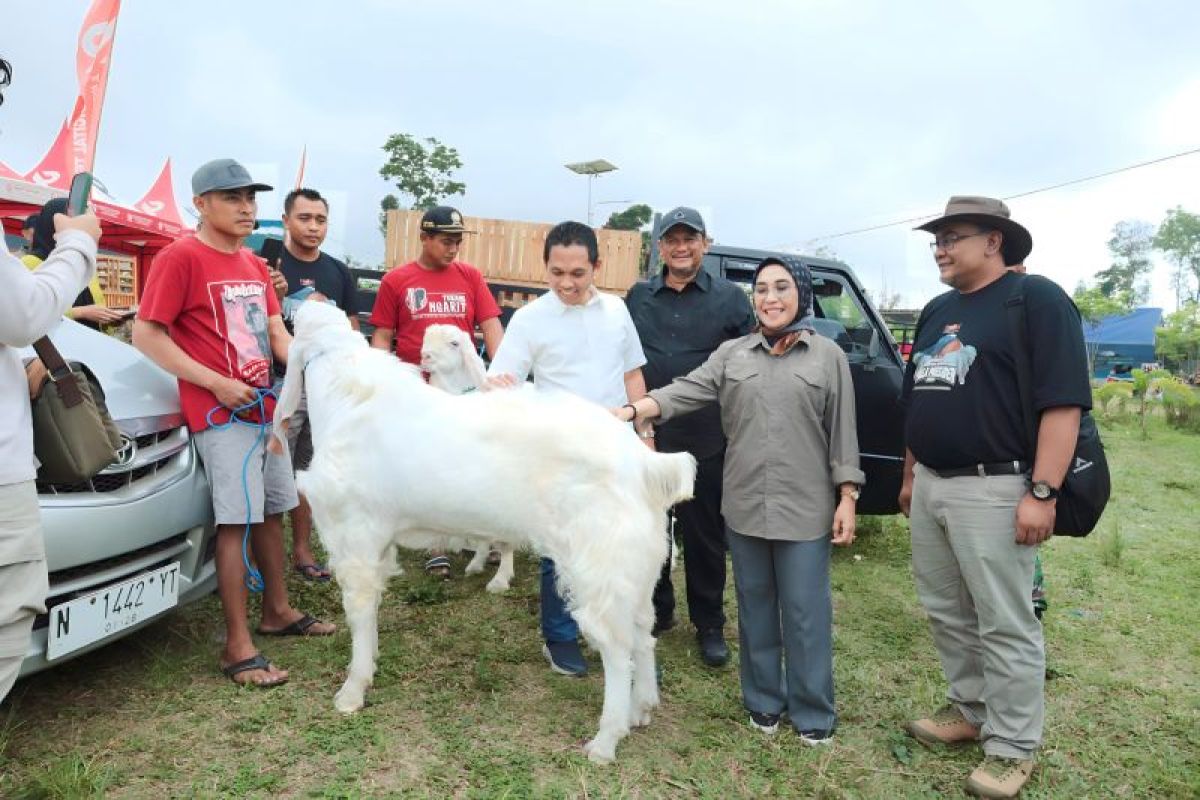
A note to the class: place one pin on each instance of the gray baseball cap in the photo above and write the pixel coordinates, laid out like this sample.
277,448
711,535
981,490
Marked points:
681,216
222,174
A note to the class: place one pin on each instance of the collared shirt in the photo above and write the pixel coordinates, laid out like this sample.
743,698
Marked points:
585,350
679,330
791,428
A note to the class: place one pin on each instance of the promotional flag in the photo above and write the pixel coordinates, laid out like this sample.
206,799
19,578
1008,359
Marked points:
300,172
92,58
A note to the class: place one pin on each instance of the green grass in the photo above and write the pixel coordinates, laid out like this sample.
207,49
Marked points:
463,705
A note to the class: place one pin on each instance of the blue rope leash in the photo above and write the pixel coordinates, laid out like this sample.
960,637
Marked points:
254,579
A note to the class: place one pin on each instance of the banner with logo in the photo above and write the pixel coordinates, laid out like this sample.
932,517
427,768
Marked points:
92,60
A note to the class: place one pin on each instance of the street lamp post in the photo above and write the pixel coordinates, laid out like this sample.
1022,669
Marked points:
591,169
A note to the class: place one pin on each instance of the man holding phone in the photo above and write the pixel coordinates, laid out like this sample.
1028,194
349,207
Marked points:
30,305
210,316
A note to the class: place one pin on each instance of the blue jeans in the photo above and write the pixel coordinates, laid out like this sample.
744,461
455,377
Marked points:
557,624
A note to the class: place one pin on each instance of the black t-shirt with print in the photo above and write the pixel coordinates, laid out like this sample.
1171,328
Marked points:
960,388
326,275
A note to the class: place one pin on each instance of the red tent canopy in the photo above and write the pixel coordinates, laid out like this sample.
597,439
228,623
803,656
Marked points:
133,233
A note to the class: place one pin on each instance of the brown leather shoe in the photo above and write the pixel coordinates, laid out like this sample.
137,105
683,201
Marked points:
946,726
1000,778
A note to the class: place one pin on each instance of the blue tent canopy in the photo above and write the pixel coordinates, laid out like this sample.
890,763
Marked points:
1123,341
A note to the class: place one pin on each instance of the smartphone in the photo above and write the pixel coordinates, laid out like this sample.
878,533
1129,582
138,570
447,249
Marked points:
81,192
270,251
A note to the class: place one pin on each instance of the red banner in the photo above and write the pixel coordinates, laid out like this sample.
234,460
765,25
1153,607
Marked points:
91,67
8,172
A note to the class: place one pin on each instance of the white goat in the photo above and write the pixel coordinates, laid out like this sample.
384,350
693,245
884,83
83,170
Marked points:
448,355
398,462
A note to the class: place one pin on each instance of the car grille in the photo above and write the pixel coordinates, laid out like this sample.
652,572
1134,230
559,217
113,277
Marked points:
169,548
154,454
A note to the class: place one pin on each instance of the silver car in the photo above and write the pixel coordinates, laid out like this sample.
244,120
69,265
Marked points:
138,539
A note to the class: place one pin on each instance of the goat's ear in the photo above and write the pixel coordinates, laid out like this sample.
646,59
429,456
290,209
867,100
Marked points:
289,396
472,362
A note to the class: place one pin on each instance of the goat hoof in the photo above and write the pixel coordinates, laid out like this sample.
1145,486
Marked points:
497,587
348,700
598,753
639,719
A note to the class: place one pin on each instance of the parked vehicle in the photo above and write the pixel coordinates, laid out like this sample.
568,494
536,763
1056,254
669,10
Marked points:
844,314
138,539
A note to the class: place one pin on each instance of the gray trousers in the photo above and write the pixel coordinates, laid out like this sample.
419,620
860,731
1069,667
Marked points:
785,628
23,580
973,579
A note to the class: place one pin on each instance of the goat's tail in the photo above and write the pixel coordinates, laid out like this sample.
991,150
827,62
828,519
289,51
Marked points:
670,478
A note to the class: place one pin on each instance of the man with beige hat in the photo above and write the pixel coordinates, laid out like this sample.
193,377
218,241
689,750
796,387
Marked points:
979,503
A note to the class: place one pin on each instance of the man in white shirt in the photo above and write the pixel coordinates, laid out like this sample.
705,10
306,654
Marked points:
31,304
578,340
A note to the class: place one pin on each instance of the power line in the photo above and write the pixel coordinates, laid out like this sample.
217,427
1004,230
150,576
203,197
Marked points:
1014,196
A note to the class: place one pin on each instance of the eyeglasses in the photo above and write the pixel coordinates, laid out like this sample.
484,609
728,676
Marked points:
948,241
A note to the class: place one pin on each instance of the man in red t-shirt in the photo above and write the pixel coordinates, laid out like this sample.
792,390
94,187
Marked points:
210,317
434,290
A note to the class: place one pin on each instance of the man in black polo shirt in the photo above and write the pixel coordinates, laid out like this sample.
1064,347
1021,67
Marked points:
682,315
310,275
979,503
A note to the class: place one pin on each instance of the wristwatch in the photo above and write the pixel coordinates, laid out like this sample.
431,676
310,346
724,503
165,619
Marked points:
853,494
1042,491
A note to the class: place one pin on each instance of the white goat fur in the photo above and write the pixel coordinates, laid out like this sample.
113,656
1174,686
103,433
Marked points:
448,355
397,462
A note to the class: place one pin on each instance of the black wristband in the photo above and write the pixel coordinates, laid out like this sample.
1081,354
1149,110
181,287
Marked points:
632,408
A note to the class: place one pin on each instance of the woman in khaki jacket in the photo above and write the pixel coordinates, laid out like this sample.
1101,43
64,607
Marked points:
790,484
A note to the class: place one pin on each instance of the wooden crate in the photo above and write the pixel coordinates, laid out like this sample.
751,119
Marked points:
118,279
510,252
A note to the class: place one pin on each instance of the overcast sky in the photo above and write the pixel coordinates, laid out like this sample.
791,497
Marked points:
785,121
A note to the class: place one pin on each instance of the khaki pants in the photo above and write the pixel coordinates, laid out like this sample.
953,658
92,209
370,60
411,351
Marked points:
974,579
23,581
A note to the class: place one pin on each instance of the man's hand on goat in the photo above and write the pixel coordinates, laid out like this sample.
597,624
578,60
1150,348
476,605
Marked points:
502,381
233,393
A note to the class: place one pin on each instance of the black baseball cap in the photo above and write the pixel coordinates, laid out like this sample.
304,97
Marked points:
443,219
681,216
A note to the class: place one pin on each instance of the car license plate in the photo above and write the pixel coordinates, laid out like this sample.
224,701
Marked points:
97,616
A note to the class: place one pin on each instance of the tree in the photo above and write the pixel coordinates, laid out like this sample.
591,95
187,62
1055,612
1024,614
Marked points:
1179,239
1095,304
633,218
1125,279
388,203
422,171
1177,342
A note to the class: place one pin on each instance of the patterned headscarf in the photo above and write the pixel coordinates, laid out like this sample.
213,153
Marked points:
790,334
